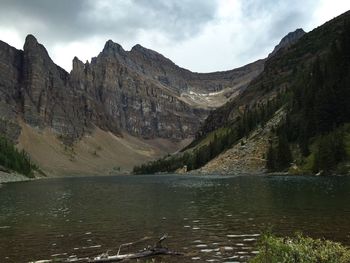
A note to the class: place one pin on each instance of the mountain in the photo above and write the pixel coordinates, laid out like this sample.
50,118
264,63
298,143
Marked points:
134,102
288,41
293,117
280,72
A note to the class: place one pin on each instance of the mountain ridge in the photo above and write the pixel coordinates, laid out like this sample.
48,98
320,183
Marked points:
284,76
307,84
110,93
138,92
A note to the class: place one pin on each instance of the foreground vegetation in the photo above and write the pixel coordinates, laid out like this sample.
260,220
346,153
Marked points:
14,160
300,249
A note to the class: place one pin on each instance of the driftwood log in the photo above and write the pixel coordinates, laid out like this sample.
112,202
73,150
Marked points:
142,254
156,250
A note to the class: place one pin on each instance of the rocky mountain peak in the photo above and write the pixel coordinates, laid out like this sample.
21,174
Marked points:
112,47
300,31
293,36
30,40
138,47
148,53
77,64
33,48
288,40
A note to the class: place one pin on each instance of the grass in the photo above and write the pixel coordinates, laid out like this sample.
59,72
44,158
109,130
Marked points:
300,249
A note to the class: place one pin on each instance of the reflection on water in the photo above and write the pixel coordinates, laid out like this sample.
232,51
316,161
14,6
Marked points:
214,219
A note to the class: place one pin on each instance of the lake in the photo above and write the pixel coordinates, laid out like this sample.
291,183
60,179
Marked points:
208,218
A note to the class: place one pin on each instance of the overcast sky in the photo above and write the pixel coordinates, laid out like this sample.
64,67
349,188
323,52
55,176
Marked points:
201,35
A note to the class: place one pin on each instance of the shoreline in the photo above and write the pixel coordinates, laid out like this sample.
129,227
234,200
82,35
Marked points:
16,177
13,178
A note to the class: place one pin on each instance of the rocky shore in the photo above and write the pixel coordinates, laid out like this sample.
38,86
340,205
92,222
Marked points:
247,156
12,177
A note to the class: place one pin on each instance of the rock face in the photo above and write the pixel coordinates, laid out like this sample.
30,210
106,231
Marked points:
288,40
120,97
11,61
45,96
139,92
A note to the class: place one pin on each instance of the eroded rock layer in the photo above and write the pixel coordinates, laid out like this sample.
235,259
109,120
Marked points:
139,92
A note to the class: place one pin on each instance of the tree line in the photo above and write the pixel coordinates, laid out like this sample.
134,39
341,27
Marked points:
15,160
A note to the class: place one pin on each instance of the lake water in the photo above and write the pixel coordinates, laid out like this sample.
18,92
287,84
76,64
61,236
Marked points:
214,219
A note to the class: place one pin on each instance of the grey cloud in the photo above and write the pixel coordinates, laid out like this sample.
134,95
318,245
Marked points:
284,15
278,17
162,24
51,21
185,17
68,20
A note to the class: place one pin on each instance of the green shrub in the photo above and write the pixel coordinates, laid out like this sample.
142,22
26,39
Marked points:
300,249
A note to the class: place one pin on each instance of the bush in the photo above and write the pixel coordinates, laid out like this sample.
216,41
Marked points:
300,249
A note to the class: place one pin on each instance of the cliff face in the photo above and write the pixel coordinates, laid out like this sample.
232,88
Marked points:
183,81
45,97
139,92
118,97
11,61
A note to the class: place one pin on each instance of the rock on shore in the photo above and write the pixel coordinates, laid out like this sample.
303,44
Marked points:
12,177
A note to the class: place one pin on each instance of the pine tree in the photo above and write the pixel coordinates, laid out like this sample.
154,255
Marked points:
283,153
270,159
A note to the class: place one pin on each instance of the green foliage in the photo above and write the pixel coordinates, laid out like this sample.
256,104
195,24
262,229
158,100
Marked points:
279,157
330,150
321,95
300,249
284,155
329,153
347,139
271,158
15,160
318,108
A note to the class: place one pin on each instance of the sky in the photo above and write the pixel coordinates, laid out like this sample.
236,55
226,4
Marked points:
200,35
